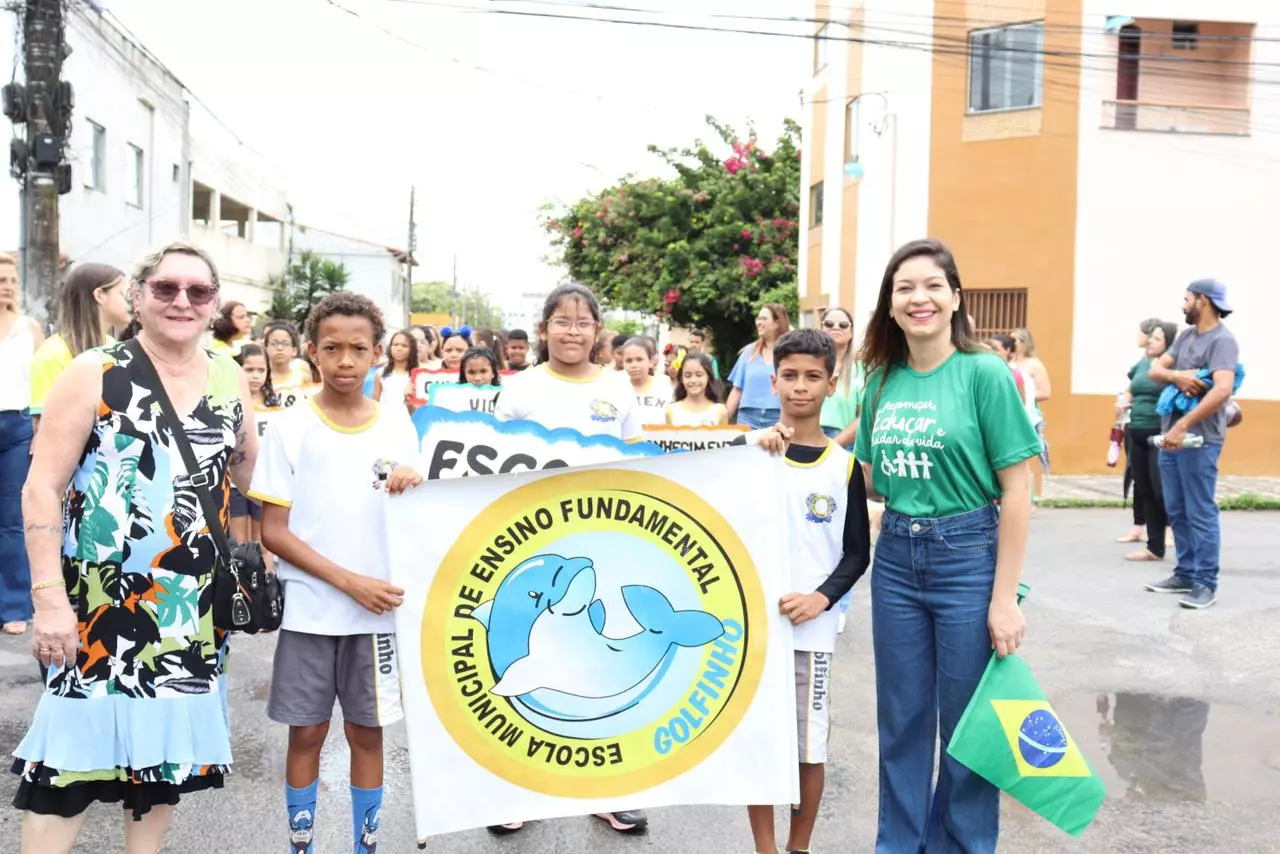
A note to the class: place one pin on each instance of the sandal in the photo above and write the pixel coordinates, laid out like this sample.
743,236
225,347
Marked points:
1142,555
17,627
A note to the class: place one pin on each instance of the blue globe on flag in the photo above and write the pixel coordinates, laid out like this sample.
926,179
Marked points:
1041,739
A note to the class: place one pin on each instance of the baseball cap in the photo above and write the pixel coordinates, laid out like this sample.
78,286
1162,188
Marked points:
1214,291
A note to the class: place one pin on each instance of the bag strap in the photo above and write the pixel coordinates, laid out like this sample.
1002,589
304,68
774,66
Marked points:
200,481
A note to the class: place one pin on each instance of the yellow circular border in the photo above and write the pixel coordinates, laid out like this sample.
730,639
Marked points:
470,543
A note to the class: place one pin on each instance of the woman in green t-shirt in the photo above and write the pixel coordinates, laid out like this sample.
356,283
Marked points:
943,438
1144,460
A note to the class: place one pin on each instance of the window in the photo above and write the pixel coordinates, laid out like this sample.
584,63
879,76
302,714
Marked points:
851,131
96,177
815,205
997,311
135,175
1005,68
1186,35
820,48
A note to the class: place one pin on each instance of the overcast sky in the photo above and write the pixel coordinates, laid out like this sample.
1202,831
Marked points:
352,116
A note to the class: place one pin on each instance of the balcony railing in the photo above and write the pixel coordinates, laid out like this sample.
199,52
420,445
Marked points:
1175,118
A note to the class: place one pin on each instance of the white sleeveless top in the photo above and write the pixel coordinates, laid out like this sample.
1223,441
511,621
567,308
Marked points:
815,496
682,416
16,351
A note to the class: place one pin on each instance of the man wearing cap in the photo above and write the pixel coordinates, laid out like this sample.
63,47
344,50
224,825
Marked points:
1191,474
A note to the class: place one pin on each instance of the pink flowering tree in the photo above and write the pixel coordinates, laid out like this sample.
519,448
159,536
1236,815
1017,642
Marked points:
707,245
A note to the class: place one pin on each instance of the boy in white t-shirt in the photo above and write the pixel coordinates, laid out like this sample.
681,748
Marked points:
829,541
321,473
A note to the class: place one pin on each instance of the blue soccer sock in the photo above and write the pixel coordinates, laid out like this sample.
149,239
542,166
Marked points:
301,804
366,818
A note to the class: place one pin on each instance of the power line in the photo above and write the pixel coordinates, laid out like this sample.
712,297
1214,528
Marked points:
740,31
418,46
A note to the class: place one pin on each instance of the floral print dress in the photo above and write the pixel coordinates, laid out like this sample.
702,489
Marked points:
141,716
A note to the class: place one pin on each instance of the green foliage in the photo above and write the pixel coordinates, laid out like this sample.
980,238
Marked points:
471,307
707,247
627,327
304,283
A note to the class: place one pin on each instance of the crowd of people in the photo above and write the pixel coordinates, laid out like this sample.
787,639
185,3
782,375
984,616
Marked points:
922,426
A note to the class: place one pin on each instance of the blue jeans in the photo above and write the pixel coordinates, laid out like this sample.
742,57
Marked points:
930,590
15,572
1190,479
758,419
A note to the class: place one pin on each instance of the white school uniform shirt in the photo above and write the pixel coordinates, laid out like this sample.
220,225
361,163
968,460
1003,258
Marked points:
683,416
652,402
815,496
331,478
598,405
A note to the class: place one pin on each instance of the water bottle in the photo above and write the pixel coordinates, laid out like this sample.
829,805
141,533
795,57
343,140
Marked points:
1191,440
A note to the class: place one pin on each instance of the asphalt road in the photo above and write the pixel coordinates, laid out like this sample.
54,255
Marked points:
1178,710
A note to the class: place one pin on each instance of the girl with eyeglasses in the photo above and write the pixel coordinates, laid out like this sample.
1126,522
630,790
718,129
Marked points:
289,374
567,388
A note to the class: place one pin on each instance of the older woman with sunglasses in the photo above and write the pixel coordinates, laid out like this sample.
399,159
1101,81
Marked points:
134,709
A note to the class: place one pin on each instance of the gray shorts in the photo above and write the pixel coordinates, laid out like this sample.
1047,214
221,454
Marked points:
813,705
361,671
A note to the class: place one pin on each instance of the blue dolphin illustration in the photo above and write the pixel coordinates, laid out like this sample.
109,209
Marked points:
545,629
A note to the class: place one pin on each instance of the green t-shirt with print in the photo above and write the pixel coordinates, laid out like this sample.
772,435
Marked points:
936,440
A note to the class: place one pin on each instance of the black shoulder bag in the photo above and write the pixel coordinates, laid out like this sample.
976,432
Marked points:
246,597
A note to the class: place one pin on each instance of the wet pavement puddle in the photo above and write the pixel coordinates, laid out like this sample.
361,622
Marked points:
1167,749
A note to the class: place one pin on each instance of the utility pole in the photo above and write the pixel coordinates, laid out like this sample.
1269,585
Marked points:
410,249
44,105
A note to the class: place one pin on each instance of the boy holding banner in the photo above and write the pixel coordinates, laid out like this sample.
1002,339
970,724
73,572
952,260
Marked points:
324,466
829,537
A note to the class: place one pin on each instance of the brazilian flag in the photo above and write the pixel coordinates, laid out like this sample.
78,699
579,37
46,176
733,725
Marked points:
1012,737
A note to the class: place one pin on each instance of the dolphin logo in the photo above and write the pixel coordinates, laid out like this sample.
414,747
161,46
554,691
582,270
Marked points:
545,629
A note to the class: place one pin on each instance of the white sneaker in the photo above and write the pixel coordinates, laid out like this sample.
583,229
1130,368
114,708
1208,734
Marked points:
840,625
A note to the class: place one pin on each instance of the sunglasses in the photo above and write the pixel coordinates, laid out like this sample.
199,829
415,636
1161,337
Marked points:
198,294
833,324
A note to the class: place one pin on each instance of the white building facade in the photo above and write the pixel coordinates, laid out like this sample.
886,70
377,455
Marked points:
379,272
128,149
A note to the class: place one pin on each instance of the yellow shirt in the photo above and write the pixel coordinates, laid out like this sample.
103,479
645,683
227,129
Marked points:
50,360
231,348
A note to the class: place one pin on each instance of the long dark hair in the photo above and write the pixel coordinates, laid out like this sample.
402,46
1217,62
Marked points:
479,353
224,328
884,346
268,393
413,353
569,291
713,384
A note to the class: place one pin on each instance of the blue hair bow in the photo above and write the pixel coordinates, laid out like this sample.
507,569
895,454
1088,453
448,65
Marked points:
449,332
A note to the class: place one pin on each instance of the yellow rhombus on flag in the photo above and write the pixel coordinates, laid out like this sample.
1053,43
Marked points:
1040,745
1010,735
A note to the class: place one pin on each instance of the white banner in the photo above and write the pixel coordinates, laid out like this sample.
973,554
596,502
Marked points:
672,439
595,639
463,397
464,444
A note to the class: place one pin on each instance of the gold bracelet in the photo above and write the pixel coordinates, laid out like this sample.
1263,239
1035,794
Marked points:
45,585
